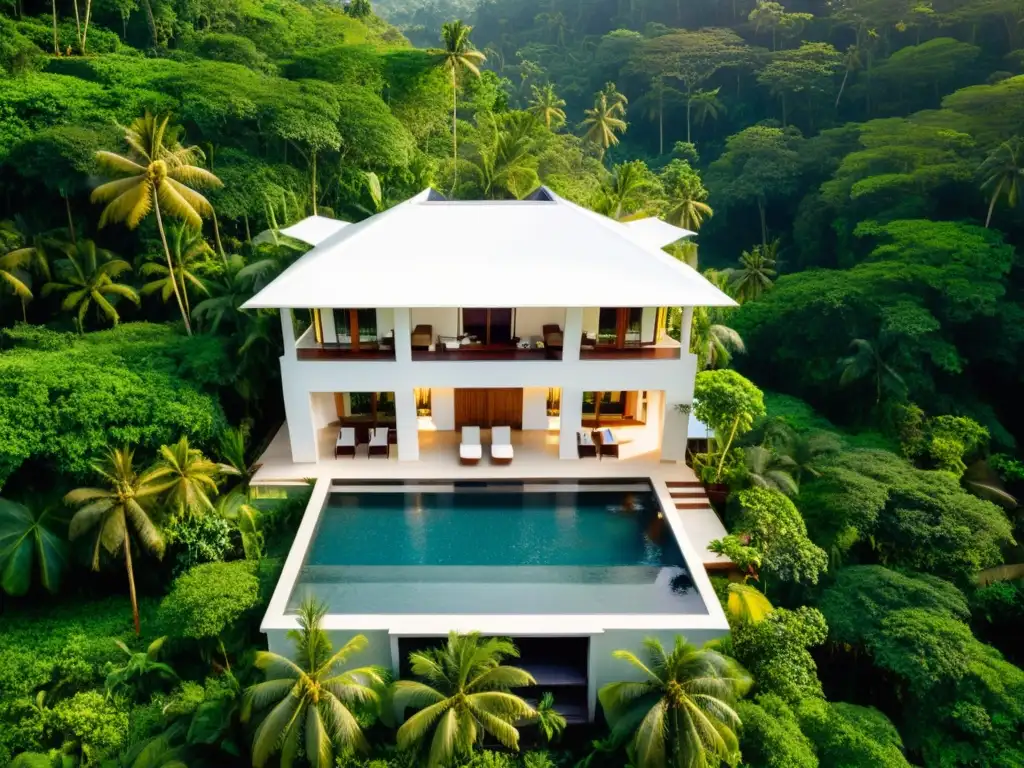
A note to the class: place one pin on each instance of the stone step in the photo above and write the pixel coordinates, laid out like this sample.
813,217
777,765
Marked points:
684,484
693,504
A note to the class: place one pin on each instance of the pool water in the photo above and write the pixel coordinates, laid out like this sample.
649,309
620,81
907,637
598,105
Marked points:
497,550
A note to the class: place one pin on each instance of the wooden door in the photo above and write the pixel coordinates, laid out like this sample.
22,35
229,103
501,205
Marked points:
506,407
488,408
471,408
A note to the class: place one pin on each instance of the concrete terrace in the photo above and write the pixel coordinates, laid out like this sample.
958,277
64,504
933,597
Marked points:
536,458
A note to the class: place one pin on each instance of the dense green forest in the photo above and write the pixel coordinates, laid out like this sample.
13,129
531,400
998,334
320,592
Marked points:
854,170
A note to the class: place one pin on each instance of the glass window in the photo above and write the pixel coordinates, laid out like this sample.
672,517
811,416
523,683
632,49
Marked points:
362,321
554,401
607,325
422,402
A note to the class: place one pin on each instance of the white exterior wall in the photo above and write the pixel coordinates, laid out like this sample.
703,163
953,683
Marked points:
442,408
385,321
324,409
303,378
535,408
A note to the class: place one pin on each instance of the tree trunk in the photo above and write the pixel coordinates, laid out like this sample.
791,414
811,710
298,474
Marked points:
131,579
689,101
216,237
783,110
842,87
455,143
150,21
71,221
248,234
24,312
764,228
661,120
312,161
170,262
56,45
992,202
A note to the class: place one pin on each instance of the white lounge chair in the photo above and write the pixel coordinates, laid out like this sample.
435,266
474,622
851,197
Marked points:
585,446
378,443
346,442
501,445
470,450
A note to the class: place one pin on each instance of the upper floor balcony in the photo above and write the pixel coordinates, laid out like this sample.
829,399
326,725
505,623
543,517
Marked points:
448,334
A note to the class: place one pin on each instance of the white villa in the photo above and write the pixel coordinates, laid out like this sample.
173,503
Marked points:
523,342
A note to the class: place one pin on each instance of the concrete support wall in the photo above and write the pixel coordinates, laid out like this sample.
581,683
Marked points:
407,425
571,420
571,336
535,408
442,408
324,409
648,320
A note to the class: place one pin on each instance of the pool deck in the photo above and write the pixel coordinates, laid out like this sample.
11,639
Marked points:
536,458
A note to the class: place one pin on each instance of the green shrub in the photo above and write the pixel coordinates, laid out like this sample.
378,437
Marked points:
197,539
96,723
771,736
208,599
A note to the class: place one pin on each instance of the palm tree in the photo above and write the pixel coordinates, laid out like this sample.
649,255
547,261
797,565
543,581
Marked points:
189,478
117,511
806,450
756,273
851,62
616,100
30,258
464,694
1003,172
157,172
140,668
310,704
87,277
549,720
764,468
629,184
682,713
236,509
504,158
226,297
603,122
746,602
546,106
714,344
688,210
866,361
457,55
703,104
190,251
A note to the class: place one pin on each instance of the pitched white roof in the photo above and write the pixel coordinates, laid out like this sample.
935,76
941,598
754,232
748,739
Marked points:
540,252
314,229
656,233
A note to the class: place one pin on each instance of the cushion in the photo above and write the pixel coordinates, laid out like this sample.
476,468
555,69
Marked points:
470,451
553,339
501,451
584,438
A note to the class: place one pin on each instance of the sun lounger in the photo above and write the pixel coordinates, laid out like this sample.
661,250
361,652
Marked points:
606,442
378,443
501,445
585,445
346,442
470,450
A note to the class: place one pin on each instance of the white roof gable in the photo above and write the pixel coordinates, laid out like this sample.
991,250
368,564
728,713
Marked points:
656,233
544,252
314,229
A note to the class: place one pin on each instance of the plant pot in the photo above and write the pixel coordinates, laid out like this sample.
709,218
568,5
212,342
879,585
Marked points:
717,493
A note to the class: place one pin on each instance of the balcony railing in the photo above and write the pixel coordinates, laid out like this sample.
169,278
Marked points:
486,352
648,352
344,352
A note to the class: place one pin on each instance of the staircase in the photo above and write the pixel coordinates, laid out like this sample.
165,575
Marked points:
700,520
688,494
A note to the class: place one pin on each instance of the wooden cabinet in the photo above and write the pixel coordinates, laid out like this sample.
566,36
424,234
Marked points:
489,408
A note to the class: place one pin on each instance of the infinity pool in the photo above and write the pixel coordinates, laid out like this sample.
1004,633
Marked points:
589,550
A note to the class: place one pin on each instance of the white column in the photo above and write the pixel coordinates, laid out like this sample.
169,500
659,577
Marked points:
406,422
327,325
675,426
648,321
685,327
570,421
288,332
298,410
571,336
403,342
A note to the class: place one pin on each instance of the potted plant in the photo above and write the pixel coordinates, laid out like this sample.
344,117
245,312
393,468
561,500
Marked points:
729,404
